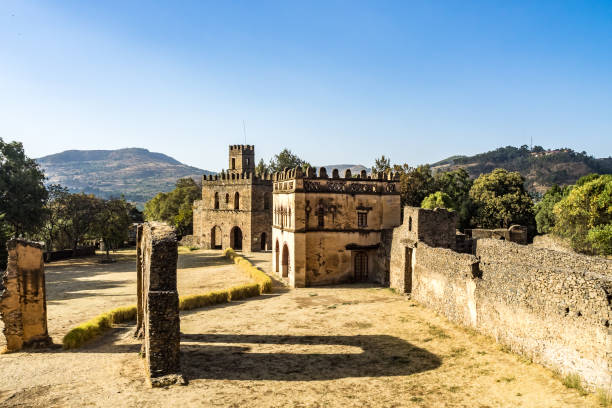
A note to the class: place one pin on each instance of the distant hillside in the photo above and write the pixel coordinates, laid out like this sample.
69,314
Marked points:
541,168
138,174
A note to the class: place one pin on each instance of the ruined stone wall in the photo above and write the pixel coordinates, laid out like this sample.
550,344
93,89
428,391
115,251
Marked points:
516,233
553,307
23,302
158,302
434,227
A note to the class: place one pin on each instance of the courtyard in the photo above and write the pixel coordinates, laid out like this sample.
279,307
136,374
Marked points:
345,346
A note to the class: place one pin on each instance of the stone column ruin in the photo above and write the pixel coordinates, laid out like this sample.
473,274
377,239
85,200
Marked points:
23,302
158,303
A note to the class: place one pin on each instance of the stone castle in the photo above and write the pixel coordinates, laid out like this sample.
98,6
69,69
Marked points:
328,229
555,308
236,206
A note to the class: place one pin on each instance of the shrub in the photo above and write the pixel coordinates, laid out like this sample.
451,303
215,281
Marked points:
244,291
206,299
259,276
96,326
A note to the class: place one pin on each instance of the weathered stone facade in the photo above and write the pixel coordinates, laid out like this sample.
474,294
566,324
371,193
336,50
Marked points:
236,206
158,303
553,307
330,230
23,302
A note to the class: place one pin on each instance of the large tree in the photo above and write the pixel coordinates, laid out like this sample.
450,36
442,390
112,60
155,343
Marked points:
175,207
585,214
381,165
22,189
544,216
285,159
415,184
79,213
501,200
112,223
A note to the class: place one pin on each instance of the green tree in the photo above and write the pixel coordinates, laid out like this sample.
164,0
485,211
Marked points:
112,223
544,216
381,165
79,214
438,200
53,222
415,184
286,159
175,207
587,207
501,200
457,184
600,239
22,190
261,167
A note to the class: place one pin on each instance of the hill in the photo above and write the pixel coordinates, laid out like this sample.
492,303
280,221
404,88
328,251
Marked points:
136,173
541,168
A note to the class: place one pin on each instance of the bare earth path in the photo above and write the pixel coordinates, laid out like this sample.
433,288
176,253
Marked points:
350,346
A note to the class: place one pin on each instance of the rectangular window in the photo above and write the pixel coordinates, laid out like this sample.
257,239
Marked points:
362,219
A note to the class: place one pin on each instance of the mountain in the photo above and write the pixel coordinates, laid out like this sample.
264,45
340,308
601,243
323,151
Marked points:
541,168
136,173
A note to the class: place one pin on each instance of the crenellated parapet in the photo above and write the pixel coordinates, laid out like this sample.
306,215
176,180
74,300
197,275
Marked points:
244,148
307,180
236,178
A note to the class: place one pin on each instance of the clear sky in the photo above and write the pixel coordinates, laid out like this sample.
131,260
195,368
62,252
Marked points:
336,82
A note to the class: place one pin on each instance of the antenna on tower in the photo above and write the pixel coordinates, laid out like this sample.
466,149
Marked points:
244,130
531,147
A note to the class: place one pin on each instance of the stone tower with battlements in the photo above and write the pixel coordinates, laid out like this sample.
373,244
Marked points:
236,206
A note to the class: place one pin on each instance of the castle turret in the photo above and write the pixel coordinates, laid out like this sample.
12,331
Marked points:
241,159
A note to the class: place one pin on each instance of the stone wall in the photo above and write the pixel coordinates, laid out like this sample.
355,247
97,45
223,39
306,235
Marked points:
23,303
516,233
158,302
552,307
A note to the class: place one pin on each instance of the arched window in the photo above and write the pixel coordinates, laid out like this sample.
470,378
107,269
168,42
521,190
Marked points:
236,201
216,200
227,199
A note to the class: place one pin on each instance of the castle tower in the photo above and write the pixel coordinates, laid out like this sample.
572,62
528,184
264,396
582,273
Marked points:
241,159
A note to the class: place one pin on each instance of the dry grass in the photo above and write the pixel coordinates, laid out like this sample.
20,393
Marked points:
85,332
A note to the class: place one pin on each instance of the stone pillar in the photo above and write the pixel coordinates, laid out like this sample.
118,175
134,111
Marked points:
158,305
23,303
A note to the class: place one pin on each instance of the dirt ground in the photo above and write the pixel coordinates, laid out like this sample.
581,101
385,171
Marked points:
342,346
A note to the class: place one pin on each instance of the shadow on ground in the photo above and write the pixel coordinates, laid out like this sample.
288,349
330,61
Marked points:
382,356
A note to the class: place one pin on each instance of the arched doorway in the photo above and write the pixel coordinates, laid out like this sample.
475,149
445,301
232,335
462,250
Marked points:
263,241
215,237
361,267
276,251
285,266
236,239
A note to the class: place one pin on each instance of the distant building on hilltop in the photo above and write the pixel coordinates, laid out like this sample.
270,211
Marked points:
236,206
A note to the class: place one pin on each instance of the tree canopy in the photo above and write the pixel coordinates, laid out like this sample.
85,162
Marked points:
175,207
438,200
501,200
585,214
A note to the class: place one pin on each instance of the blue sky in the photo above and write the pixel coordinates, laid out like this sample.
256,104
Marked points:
336,82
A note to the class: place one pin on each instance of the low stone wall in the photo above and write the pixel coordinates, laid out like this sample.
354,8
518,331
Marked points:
69,253
23,302
158,302
191,241
553,307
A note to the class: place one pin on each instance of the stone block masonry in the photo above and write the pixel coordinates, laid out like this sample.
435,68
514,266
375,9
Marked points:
158,319
553,307
23,303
